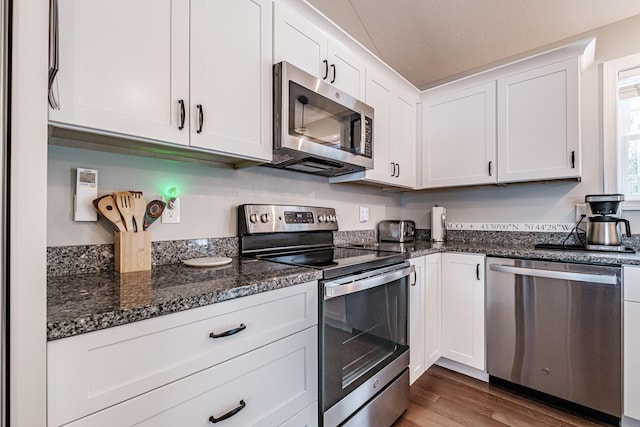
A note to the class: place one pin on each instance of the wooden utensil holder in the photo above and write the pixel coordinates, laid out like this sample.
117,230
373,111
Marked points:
132,251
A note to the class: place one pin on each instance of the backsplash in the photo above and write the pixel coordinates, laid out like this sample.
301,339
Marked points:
63,260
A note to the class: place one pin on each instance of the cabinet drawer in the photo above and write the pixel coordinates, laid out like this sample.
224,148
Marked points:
631,277
274,383
89,372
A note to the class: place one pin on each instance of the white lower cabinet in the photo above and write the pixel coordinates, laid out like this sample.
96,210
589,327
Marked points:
262,387
463,317
631,351
424,315
164,368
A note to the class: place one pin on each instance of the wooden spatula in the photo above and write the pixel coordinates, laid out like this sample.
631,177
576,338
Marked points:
124,202
139,208
108,209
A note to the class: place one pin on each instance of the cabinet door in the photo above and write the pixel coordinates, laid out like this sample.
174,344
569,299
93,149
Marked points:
298,42
463,309
379,97
273,383
459,138
417,321
631,358
123,67
402,146
432,310
346,70
231,77
539,123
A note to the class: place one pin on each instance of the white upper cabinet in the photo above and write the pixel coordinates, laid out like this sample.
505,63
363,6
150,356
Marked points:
394,133
231,76
518,122
140,68
298,41
459,137
539,123
117,75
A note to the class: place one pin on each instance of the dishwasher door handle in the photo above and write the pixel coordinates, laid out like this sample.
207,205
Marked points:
551,274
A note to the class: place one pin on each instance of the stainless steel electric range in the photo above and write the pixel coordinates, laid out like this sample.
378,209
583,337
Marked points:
363,313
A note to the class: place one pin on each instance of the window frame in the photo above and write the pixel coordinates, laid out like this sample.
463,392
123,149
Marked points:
610,139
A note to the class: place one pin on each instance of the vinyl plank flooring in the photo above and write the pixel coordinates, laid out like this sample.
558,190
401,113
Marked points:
442,397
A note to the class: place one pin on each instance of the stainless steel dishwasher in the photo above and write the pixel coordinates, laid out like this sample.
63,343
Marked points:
555,328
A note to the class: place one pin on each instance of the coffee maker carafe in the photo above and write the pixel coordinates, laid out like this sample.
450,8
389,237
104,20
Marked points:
604,231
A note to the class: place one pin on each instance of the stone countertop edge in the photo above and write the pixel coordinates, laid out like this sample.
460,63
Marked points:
81,303
526,252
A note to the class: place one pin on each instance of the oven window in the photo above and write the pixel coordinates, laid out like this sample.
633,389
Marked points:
322,121
362,332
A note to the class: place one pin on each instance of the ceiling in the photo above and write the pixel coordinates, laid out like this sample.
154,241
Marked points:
430,41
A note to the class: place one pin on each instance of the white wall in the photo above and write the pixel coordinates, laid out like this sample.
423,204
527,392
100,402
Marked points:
543,202
209,195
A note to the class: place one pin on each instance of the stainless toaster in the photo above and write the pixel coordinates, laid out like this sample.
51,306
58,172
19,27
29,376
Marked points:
396,231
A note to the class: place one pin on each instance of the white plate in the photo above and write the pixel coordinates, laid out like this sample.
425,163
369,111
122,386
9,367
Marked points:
211,261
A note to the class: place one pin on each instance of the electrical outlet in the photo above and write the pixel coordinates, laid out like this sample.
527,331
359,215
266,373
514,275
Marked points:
364,214
581,209
171,213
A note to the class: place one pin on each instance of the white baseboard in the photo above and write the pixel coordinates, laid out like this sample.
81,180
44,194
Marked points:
465,370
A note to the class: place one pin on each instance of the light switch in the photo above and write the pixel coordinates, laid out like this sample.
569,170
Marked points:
364,214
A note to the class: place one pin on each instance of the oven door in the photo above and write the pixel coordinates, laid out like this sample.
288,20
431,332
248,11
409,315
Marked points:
363,330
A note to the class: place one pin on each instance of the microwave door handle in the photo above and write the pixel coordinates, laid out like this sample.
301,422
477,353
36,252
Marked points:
337,289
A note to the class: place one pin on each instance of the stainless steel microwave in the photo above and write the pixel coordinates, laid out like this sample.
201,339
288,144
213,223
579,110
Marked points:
317,128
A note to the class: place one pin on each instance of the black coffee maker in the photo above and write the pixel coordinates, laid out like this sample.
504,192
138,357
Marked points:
604,231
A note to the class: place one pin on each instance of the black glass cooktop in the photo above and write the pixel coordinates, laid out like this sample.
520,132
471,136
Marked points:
338,261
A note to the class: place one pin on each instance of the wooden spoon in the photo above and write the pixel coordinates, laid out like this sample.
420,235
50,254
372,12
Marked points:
107,208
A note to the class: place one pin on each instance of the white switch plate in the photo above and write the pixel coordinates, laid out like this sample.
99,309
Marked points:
364,214
171,215
581,209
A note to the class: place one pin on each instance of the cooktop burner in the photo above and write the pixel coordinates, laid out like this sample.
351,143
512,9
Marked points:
589,248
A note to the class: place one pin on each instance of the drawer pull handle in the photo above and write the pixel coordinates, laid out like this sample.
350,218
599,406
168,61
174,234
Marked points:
228,333
229,414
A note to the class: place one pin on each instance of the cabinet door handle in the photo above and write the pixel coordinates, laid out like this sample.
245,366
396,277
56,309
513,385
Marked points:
415,278
478,271
489,167
200,118
229,414
183,114
393,169
326,69
228,333
398,171
333,67
573,160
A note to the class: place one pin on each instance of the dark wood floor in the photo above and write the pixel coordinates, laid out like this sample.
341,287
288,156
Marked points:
441,397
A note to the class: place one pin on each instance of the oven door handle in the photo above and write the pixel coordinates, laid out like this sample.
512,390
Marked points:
337,289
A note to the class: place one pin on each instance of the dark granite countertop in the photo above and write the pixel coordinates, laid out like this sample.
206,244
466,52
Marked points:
79,303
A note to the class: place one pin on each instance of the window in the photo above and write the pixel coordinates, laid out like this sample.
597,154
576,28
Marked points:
621,129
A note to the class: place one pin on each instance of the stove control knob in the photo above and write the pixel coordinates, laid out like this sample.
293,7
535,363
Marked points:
321,219
264,217
253,218
334,218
